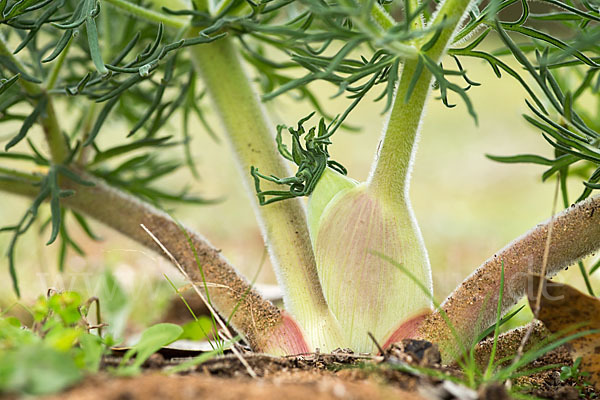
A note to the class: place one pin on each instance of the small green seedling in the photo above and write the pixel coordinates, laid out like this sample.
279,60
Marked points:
59,350
55,353
573,372
152,340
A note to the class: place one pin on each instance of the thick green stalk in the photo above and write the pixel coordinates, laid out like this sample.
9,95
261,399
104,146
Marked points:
390,178
412,6
392,166
174,4
56,141
284,223
450,14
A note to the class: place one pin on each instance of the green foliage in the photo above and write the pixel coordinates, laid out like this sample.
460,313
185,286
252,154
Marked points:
58,350
306,40
37,369
128,65
564,74
504,369
64,76
141,304
55,353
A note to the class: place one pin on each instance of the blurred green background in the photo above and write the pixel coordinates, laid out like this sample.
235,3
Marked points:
468,207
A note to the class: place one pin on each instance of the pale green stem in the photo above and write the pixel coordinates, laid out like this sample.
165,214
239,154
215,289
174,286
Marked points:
284,223
56,142
171,4
392,166
390,178
451,14
149,14
84,152
382,17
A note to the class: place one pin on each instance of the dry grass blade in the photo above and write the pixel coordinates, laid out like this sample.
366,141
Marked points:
218,319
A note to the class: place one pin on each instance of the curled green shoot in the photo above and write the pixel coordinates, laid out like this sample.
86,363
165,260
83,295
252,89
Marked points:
311,158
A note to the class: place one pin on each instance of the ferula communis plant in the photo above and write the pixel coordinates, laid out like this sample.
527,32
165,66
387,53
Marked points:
348,223
145,63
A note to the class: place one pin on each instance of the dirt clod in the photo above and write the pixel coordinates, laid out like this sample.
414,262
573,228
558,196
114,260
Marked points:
419,352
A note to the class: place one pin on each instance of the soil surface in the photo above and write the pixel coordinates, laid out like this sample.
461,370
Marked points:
292,385
408,370
341,375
